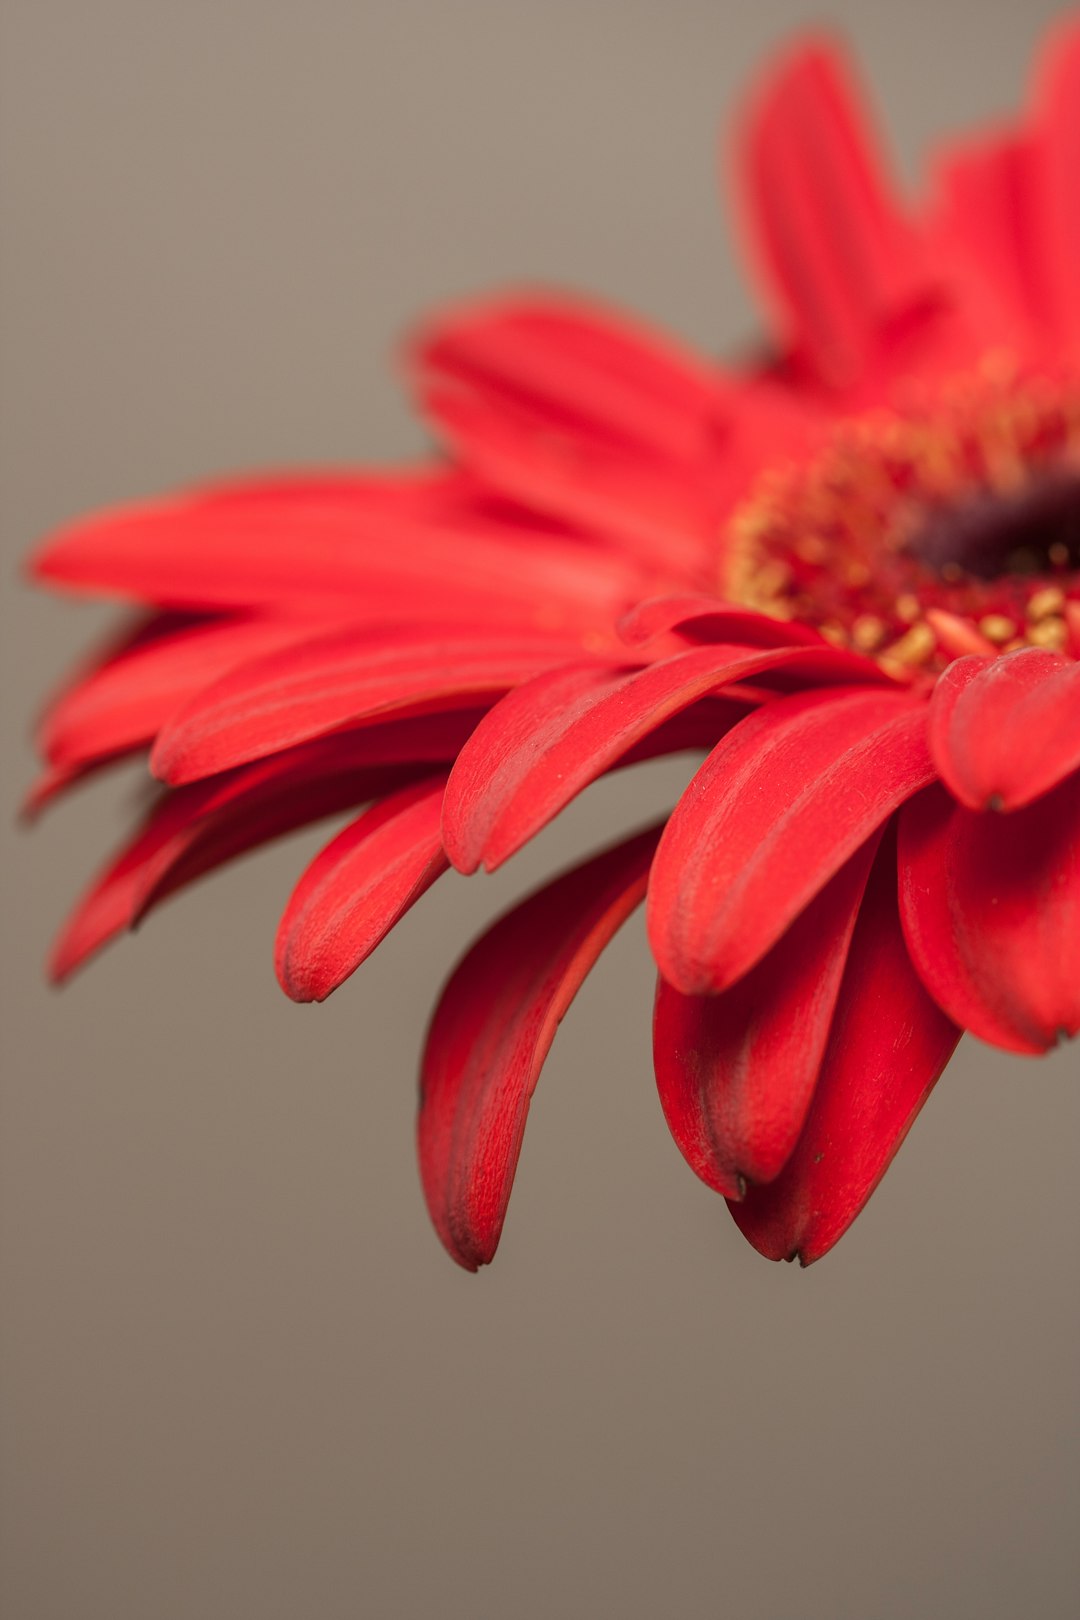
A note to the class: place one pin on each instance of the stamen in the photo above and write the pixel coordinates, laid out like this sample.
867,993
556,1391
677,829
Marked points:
916,538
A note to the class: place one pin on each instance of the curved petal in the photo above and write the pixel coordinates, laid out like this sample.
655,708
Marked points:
581,369
991,910
1005,730
703,618
736,1072
196,828
305,691
122,703
492,1031
887,1046
357,888
832,243
546,741
778,807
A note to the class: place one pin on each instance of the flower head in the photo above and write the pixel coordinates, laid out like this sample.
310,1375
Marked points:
849,574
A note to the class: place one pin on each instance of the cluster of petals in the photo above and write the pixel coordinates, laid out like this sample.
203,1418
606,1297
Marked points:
872,858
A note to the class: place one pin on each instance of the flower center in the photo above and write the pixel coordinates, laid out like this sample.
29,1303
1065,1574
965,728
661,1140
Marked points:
915,537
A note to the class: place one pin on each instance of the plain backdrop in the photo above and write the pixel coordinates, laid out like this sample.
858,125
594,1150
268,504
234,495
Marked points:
239,1377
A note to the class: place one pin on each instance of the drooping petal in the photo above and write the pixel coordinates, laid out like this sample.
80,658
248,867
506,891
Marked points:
991,910
888,1044
192,830
736,1072
834,246
778,807
357,888
1005,730
288,697
492,1031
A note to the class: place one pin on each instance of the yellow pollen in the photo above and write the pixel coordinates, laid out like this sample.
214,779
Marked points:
1048,633
867,632
912,648
996,627
1045,602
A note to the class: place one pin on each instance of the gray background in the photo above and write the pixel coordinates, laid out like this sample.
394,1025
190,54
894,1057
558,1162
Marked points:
238,1375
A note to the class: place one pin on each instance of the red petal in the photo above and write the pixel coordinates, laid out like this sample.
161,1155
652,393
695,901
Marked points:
662,518
357,888
703,618
1055,167
736,1072
887,1047
837,249
780,804
582,369
1005,730
201,826
987,205
492,1031
991,909
121,703
329,550
302,692
538,748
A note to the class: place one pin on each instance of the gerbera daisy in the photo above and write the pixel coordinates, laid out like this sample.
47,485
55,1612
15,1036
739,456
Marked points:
850,573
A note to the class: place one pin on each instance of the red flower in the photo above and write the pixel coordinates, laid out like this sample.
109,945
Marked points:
852,572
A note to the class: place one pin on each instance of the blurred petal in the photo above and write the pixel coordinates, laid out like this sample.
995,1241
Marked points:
666,522
987,204
1055,168
319,552
587,371
833,244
